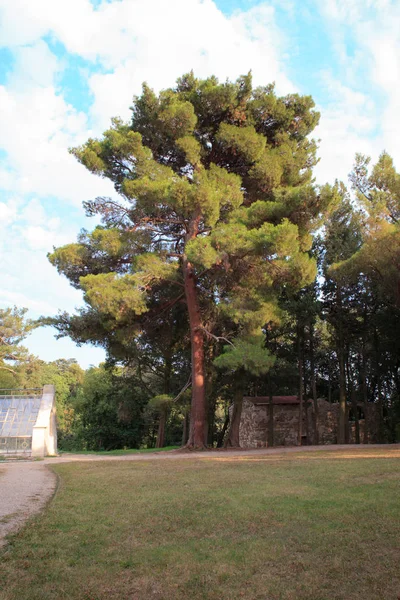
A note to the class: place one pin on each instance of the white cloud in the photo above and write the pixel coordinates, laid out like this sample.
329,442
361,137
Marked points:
8,213
37,127
162,49
34,283
28,279
375,29
34,65
381,40
33,212
346,126
42,238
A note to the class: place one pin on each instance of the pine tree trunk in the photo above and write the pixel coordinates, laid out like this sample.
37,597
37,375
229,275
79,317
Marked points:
379,387
221,434
356,419
211,399
305,431
270,412
153,437
364,380
198,412
160,443
161,428
342,398
314,388
185,431
210,429
365,398
232,440
167,371
352,394
342,373
300,364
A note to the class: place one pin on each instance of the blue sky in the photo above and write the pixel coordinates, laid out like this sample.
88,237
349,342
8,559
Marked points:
67,67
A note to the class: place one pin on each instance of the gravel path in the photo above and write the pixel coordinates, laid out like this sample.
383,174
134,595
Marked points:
25,487
393,449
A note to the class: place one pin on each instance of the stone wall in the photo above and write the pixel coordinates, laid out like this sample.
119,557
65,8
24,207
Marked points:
253,431
328,416
286,424
253,425
327,421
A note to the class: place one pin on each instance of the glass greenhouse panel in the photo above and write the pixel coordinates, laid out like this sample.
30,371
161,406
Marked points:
18,415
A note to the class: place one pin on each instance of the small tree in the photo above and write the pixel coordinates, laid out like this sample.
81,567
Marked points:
244,356
14,328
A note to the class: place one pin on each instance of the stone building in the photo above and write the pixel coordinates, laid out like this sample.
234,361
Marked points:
253,432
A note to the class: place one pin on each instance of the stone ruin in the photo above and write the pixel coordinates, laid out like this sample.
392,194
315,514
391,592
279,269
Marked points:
253,432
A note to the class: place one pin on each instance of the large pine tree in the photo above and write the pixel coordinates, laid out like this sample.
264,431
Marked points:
216,208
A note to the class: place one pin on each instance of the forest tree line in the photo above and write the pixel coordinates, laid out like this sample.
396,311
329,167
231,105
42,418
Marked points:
221,269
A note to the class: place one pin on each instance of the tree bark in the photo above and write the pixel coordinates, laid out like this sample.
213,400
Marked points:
270,413
342,373
364,378
160,443
185,431
221,434
198,411
314,387
365,397
210,426
352,393
161,428
300,331
211,398
232,440
356,419
342,398
379,387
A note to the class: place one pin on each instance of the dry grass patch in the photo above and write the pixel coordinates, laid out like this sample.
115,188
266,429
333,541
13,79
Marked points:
304,527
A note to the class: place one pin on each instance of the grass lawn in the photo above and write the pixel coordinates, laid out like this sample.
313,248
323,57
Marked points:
307,526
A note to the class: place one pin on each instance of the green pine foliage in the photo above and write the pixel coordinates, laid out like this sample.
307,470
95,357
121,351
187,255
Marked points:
248,354
14,328
202,150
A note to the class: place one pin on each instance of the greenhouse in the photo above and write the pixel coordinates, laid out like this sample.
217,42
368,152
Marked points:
28,422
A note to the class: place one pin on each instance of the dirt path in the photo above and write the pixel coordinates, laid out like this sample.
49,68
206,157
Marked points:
25,487
393,449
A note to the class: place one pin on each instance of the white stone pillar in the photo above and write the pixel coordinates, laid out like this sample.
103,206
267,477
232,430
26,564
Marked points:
44,434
